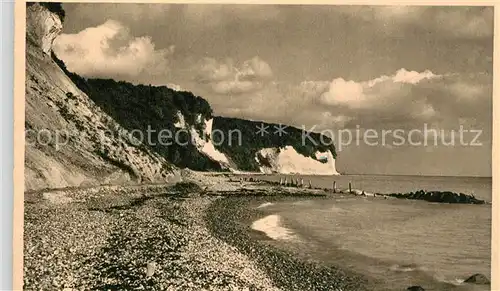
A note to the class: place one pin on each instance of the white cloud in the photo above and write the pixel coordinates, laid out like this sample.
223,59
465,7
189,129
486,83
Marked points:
466,91
226,78
423,110
372,93
412,77
110,51
345,92
254,68
404,99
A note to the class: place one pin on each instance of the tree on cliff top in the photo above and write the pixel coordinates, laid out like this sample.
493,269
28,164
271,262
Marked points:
54,7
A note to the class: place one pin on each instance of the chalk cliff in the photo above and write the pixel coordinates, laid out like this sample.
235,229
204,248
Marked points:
66,144
287,161
42,26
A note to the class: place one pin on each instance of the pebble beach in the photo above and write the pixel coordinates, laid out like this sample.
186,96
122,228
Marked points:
130,242
156,237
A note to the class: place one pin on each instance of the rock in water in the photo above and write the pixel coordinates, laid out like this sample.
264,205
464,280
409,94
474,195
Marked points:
478,279
439,197
415,288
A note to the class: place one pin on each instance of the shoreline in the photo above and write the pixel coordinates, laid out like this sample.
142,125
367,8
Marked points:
229,219
232,219
150,236
192,235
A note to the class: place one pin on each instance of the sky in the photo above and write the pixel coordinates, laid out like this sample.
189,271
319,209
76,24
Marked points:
331,69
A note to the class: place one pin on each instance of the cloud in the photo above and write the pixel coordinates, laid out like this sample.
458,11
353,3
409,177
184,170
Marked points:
449,22
212,15
410,77
344,92
110,51
226,78
469,22
406,99
142,13
378,92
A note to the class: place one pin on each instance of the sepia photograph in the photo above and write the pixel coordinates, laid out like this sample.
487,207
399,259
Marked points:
210,146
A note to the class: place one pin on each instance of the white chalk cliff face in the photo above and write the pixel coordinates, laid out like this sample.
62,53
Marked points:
205,146
203,142
42,27
287,161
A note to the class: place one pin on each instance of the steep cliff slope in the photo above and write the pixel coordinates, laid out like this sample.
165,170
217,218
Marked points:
70,141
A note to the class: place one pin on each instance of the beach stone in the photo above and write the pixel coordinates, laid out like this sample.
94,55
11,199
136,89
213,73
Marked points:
150,269
478,279
415,288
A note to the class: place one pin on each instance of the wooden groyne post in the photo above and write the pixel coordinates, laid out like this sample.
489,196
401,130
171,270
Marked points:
350,188
334,186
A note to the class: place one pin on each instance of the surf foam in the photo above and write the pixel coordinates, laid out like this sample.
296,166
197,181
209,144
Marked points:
271,226
266,204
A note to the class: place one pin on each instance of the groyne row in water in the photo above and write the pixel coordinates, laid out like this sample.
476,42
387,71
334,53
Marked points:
430,196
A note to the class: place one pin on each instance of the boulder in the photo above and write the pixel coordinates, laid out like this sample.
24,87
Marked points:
415,288
478,279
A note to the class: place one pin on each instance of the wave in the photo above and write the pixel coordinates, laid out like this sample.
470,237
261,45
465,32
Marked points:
407,268
436,276
271,226
456,281
266,204
453,281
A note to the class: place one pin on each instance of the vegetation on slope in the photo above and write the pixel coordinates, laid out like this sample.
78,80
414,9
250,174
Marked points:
142,109
54,7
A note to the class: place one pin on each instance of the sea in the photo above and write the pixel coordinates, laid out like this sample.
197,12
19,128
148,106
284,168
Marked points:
395,243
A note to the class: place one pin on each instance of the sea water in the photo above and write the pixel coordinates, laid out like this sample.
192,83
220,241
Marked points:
396,243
